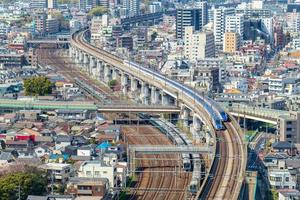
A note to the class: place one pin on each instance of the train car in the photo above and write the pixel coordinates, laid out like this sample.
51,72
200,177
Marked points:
223,115
216,116
186,160
194,186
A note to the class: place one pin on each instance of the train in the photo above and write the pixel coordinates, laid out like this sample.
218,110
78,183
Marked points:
218,115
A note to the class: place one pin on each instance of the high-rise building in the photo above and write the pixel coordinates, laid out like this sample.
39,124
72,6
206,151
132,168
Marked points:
198,45
235,24
231,42
52,25
132,7
40,23
196,17
52,4
38,4
219,24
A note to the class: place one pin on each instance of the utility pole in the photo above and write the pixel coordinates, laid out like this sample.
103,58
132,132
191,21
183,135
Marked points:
19,191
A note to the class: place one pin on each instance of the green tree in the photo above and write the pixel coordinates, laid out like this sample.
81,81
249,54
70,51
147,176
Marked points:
29,183
40,85
97,11
64,24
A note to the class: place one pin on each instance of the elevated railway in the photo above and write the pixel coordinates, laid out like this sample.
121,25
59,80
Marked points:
230,160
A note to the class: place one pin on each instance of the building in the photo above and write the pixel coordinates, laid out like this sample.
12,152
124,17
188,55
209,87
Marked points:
231,42
280,179
52,25
12,59
198,45
289,127
235,24
58,172
40,23
155,7
52,4
219,24
132,7
38,4
196,17
87,187
97,169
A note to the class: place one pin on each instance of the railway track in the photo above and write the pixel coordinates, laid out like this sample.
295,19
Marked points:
150,177
225,165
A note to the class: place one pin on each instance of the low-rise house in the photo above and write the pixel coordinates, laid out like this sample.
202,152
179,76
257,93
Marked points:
42,151
61,141
87,187
97,169
287,147
288,194
6,158
84,151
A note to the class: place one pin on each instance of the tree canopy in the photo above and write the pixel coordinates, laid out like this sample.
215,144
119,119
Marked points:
97,11
39,85
31,183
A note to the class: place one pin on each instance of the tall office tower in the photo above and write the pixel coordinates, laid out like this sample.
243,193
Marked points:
235,24
219,24
196,17
38,4
198,45
132,7
52,4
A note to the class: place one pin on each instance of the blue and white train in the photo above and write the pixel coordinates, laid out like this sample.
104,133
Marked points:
218,115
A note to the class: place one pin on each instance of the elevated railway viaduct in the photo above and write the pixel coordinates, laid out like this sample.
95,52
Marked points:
226,175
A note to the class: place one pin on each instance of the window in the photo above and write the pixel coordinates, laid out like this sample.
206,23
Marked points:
88,173
287,179
104,172
97,173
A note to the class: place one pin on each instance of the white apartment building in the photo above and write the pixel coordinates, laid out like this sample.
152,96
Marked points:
97,169
281,178
198,45
235,24
219,24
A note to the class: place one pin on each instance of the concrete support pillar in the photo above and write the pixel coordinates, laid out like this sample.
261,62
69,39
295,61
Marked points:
197,125
71,52
146,95
185,116
153,89
80,57
85,61
107,73
124,82
133,84
114,74
164,99
77,57
100,70
92,65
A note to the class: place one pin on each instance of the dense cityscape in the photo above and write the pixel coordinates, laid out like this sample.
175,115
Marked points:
149,99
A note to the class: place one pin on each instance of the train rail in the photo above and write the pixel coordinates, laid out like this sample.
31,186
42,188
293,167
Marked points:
211,116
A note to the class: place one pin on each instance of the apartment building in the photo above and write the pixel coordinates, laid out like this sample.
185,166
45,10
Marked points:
231,42
198,45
